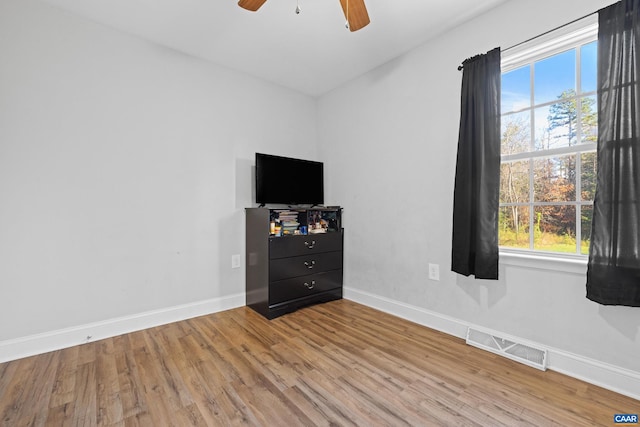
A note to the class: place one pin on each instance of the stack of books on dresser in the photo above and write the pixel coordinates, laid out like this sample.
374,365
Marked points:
289,221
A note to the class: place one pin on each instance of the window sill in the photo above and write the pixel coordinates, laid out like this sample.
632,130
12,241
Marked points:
558,263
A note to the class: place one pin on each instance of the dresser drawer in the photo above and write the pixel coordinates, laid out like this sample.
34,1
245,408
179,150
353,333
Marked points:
284,268
300,287
287,246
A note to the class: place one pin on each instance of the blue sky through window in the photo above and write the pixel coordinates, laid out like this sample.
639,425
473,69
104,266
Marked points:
588,66
552,76
516,89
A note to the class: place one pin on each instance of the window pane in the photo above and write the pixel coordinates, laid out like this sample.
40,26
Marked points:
589,111
555,179
513,227
554,76
588,175
516,133
554,228
586,215
557,124
514,182
541,132
588,64
516,89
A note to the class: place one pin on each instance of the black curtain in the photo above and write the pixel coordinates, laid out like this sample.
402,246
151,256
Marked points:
477,185
613,274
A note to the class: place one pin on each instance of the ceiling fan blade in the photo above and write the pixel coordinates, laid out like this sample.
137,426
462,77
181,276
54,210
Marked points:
251,5
358,17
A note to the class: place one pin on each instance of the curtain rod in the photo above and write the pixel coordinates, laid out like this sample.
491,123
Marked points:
461,67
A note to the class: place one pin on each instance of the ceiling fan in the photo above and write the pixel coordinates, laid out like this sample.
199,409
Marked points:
354,10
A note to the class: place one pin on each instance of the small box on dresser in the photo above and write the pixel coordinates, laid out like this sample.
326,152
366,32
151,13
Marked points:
290,271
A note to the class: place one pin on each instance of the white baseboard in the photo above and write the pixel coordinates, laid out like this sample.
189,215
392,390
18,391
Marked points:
602,374
55,340
611,377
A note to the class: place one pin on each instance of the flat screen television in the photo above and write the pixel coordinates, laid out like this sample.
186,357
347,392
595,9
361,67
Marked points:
288,181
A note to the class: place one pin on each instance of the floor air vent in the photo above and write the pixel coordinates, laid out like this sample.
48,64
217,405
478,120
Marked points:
519,352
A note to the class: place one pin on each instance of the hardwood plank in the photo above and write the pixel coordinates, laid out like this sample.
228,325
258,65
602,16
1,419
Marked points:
164,391
85,408
167,370
235,407
269,405
108,401
65,380
14,391
323,399
338,363
130,385
60,415
206,398
208,333
36,398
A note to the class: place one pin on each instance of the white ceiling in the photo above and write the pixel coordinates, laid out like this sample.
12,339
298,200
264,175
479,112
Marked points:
311,52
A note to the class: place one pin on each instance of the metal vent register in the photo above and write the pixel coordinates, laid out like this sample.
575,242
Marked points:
523,353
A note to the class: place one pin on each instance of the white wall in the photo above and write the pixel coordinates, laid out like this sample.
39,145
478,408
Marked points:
390,141
124,171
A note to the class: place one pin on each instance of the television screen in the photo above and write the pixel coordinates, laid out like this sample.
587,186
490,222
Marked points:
288,181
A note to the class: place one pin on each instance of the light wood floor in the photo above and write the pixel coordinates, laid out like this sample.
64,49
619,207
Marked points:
338,363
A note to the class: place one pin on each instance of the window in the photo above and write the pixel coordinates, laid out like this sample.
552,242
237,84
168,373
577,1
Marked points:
549,134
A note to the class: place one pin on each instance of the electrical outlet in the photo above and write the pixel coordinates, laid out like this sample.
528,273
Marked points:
235,261
434,272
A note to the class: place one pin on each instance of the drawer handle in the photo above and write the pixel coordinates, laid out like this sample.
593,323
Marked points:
310,286
310,245
309,265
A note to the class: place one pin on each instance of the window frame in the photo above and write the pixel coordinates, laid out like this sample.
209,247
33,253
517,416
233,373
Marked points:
571,36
